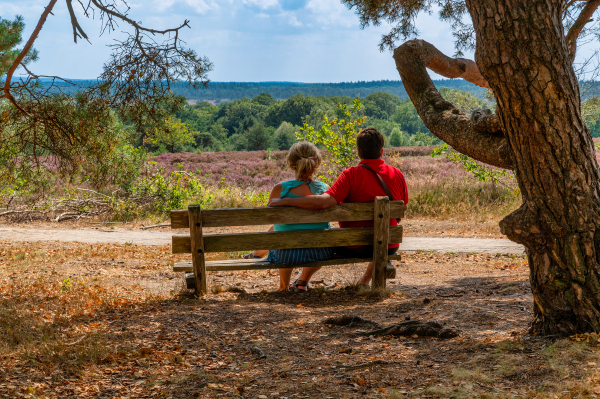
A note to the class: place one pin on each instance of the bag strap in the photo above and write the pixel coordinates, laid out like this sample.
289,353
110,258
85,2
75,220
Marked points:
385,187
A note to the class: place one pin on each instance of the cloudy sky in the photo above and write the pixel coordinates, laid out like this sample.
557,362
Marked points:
247,40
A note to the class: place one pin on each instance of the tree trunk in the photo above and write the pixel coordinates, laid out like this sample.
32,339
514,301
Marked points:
522,53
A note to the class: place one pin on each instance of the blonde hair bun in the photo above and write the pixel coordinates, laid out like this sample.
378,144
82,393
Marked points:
304,159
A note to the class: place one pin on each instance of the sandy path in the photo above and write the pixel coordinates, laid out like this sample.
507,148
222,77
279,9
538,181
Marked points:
121,236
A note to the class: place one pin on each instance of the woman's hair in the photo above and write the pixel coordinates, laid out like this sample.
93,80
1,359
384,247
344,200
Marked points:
304,159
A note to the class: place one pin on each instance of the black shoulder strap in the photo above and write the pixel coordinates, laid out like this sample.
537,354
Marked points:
385,187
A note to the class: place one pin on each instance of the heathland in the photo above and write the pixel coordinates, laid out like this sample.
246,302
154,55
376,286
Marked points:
438,188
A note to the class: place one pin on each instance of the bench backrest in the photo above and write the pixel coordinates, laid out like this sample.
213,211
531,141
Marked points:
283,239
277,215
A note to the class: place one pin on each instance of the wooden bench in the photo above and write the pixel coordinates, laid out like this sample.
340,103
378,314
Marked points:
198,244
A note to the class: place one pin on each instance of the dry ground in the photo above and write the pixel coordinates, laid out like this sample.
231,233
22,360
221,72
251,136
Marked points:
108,321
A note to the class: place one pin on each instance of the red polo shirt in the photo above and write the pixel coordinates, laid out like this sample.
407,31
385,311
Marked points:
358,184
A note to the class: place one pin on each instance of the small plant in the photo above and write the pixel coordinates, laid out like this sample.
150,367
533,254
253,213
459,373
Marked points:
338,136
66,285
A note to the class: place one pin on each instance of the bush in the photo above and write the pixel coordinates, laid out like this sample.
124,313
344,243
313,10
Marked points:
285,136
259,137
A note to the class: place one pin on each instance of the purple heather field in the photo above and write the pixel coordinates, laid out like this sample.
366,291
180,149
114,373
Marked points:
260,170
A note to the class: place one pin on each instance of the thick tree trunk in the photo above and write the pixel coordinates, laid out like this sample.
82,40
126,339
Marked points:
523,55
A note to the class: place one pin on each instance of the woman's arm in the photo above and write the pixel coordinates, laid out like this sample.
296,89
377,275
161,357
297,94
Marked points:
312,202
276,192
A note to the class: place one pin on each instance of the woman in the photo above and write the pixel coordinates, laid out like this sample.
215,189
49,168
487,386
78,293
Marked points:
304,159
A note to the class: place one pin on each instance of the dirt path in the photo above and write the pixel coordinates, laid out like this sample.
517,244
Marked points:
163,237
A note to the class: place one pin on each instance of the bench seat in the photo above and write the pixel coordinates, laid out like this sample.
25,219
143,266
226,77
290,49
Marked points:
257,264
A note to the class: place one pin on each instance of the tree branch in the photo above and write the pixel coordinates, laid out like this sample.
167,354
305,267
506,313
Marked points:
584,18
36,76
130,21
77,30
486,143
7,84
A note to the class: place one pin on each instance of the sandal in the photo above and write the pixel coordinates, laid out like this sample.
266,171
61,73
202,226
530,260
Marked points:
251,256
295,284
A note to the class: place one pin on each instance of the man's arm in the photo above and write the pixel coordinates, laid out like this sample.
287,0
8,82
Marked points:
311,202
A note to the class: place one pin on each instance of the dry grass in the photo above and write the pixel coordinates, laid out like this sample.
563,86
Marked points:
462,198
81,320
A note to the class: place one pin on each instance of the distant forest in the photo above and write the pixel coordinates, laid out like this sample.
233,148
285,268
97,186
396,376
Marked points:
228,91
284,90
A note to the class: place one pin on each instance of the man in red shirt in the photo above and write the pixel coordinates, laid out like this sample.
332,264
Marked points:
357,184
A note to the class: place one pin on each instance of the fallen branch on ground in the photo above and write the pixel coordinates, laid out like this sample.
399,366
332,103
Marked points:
405,329
414,327
156,225
350,320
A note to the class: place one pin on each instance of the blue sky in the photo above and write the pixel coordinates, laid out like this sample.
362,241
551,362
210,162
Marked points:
247,40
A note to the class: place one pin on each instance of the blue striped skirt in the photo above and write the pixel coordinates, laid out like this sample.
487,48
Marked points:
299,256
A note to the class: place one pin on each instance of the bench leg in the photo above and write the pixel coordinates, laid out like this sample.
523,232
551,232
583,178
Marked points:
197,241
381,236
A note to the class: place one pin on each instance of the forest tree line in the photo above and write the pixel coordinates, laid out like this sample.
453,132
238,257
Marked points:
228,91
263,122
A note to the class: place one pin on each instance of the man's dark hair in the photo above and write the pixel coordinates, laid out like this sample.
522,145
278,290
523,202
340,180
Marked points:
369,143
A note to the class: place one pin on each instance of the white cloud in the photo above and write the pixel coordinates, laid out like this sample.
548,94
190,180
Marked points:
294,21
331,13
29,9
199,6
263,4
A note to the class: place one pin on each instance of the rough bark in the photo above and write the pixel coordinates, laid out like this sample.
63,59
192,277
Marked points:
480,136
524,56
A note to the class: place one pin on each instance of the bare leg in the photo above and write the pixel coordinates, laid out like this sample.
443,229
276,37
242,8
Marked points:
284,278
262,252
306,275
366,278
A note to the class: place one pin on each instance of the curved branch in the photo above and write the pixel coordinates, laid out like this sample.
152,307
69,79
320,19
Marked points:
486,143
584,18
7,84
440,63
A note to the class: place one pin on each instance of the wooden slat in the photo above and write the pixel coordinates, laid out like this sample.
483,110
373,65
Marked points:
284,239
279,215
197,249
253,264
381,217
